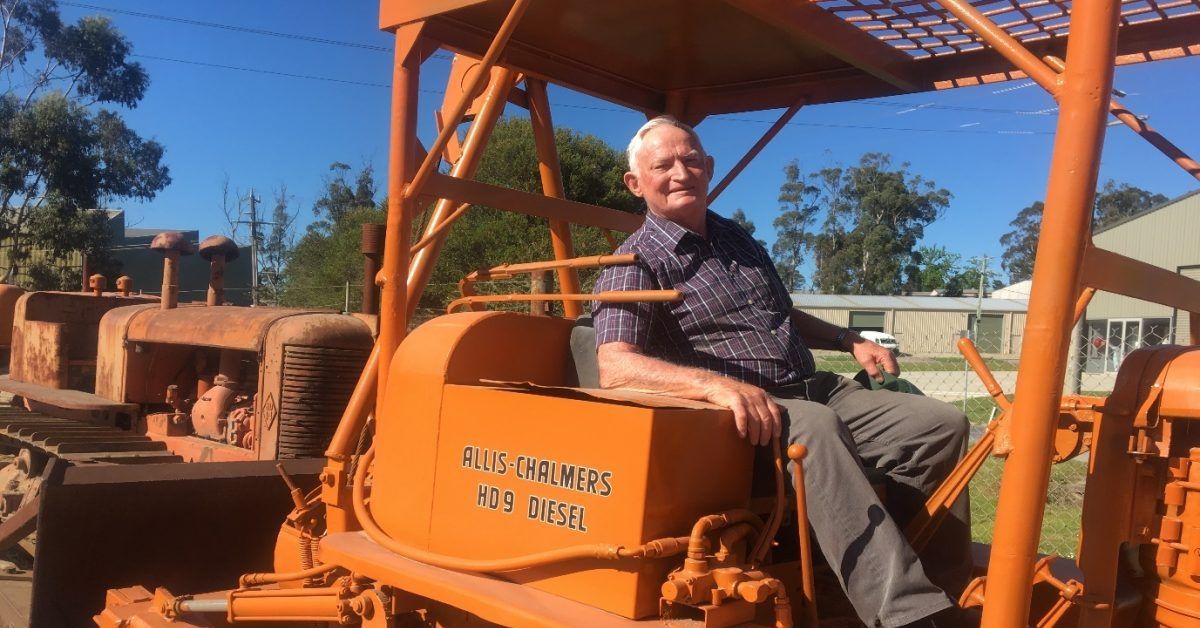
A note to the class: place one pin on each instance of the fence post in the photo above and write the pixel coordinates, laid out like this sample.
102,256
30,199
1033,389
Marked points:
537,285
1074,380
346,308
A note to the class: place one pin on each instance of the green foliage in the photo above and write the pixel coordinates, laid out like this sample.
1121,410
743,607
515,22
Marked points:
341,198
1114,202
59,153
936,267
875,214
321,264
969,278
739,216
275,248
486,237
798,207
45,276
328,255
1020,244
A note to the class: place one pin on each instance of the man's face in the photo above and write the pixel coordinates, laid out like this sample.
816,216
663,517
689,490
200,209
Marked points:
672,175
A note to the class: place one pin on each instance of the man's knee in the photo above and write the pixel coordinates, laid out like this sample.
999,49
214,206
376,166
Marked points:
955,423
951,426
942,419
807,422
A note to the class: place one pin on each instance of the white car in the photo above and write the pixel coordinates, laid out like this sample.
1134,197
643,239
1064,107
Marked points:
887,341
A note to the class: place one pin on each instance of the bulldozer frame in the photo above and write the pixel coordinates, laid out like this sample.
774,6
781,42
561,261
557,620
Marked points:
588,46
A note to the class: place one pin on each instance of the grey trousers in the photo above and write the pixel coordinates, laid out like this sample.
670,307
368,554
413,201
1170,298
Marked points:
916,441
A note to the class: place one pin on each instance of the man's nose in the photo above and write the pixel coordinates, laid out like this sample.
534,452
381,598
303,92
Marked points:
679,170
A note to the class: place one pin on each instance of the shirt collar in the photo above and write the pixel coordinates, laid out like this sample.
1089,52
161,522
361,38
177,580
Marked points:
674,233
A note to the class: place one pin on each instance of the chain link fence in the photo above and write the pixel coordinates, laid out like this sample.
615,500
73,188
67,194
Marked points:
1099,347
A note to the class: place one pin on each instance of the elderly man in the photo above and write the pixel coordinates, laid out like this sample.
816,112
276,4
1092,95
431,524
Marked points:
736,341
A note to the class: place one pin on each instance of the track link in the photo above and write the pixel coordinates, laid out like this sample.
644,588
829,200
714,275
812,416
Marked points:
79,441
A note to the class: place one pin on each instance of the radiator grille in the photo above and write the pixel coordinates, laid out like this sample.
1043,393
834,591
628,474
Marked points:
317,383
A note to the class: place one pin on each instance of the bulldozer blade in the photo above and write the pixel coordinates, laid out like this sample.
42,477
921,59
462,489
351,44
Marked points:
186,527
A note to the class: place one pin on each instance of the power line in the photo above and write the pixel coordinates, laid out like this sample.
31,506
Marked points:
262,71
239,29
230,27
899,104
592,107
372,47
832,125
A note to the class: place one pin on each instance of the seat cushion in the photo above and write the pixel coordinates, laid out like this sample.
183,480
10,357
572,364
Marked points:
583,369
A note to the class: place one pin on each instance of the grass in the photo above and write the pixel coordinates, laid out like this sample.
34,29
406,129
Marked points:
1064,501
978,409
843,363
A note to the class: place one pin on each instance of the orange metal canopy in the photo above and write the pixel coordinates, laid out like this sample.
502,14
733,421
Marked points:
721,56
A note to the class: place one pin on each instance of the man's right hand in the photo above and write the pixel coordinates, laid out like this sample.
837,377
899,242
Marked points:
756,414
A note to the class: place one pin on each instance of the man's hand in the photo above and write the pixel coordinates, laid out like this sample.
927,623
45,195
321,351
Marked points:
623,365
757,416
871,356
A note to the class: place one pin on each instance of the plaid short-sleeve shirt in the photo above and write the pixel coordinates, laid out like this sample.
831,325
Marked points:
734,318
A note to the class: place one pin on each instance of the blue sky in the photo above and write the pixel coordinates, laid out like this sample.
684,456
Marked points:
235,103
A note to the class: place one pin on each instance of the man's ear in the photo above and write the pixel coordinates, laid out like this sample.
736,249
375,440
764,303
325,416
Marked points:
709,164
631,182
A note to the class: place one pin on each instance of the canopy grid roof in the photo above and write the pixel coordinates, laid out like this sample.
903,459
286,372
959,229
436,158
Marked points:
922,28
722,56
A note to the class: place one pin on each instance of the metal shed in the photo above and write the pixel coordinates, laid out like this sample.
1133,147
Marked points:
925,325
1167,236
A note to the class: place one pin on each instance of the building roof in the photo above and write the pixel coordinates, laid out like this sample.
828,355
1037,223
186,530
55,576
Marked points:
880,302
1145,212
141,233
1019,291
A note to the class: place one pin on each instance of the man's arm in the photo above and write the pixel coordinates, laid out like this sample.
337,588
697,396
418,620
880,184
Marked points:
623,365
818,334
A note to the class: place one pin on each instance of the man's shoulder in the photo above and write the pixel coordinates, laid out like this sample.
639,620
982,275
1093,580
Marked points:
646,243
730,225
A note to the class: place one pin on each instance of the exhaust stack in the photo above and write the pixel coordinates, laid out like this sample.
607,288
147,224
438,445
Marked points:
217,249
372,250
171,244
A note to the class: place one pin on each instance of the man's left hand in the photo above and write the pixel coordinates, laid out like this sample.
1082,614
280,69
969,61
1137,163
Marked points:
873,356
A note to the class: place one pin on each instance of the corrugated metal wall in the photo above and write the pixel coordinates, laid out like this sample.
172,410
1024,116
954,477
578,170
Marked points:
1168,237
1183,335
930,332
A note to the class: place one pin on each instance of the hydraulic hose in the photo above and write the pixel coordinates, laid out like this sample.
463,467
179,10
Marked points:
255,579
759,553
730,537
698,543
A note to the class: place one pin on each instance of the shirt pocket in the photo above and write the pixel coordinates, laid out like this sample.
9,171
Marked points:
759,290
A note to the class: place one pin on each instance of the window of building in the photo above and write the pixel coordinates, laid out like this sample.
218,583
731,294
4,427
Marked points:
1156,331
866,321
1107,342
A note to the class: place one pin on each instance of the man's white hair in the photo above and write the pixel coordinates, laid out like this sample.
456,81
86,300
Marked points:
635,144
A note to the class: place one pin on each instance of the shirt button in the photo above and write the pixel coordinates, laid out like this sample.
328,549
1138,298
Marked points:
733,267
